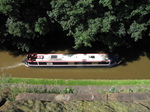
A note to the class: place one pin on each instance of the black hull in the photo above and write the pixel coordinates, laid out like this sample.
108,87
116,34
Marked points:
70,66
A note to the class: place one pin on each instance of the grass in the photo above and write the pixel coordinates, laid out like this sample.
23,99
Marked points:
9,92
71,82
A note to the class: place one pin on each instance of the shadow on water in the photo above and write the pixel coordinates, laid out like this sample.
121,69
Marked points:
133,53
58,41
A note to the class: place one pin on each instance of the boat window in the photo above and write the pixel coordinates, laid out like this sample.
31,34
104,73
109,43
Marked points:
60,63
40,57
87,62
33,63
42,63
92,56
83,63
54,56
103,62
78,63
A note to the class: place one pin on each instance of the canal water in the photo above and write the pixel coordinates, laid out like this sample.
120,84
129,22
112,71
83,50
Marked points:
12,65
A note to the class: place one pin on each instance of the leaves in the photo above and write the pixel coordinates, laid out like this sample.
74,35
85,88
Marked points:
106,3
18,28
114,23
41,26
89,21
25,20
136,30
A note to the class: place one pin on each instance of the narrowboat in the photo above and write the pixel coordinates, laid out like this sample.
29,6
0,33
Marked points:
71,60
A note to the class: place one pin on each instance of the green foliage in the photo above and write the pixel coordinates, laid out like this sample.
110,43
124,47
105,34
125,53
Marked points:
80,82
113,89
112,22
68,90
136,30
5,90
106,3
9,91
107,21
10,94
41,26
9,6
24,21
76,106
73,15
18,28
5,79
142,89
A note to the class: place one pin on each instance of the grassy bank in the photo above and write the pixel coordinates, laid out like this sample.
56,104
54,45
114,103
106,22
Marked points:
71,82
10,92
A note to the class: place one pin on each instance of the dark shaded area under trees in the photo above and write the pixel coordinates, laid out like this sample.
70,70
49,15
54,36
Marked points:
119,26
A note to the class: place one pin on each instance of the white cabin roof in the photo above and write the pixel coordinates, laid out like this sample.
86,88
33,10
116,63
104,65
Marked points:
72,57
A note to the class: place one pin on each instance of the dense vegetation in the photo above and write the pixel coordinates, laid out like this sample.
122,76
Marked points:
28,24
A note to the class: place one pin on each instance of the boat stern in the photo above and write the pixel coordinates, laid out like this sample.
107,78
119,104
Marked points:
25,62
115,60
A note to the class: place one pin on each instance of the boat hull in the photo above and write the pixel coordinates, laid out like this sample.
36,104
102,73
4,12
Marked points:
71,66
85,61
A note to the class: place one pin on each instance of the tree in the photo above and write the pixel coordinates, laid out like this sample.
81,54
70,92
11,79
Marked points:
25,21
41,26
115,23
112,22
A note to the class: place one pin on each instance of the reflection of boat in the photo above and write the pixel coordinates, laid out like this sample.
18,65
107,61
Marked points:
71,60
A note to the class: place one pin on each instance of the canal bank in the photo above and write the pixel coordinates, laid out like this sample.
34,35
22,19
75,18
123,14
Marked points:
93,98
